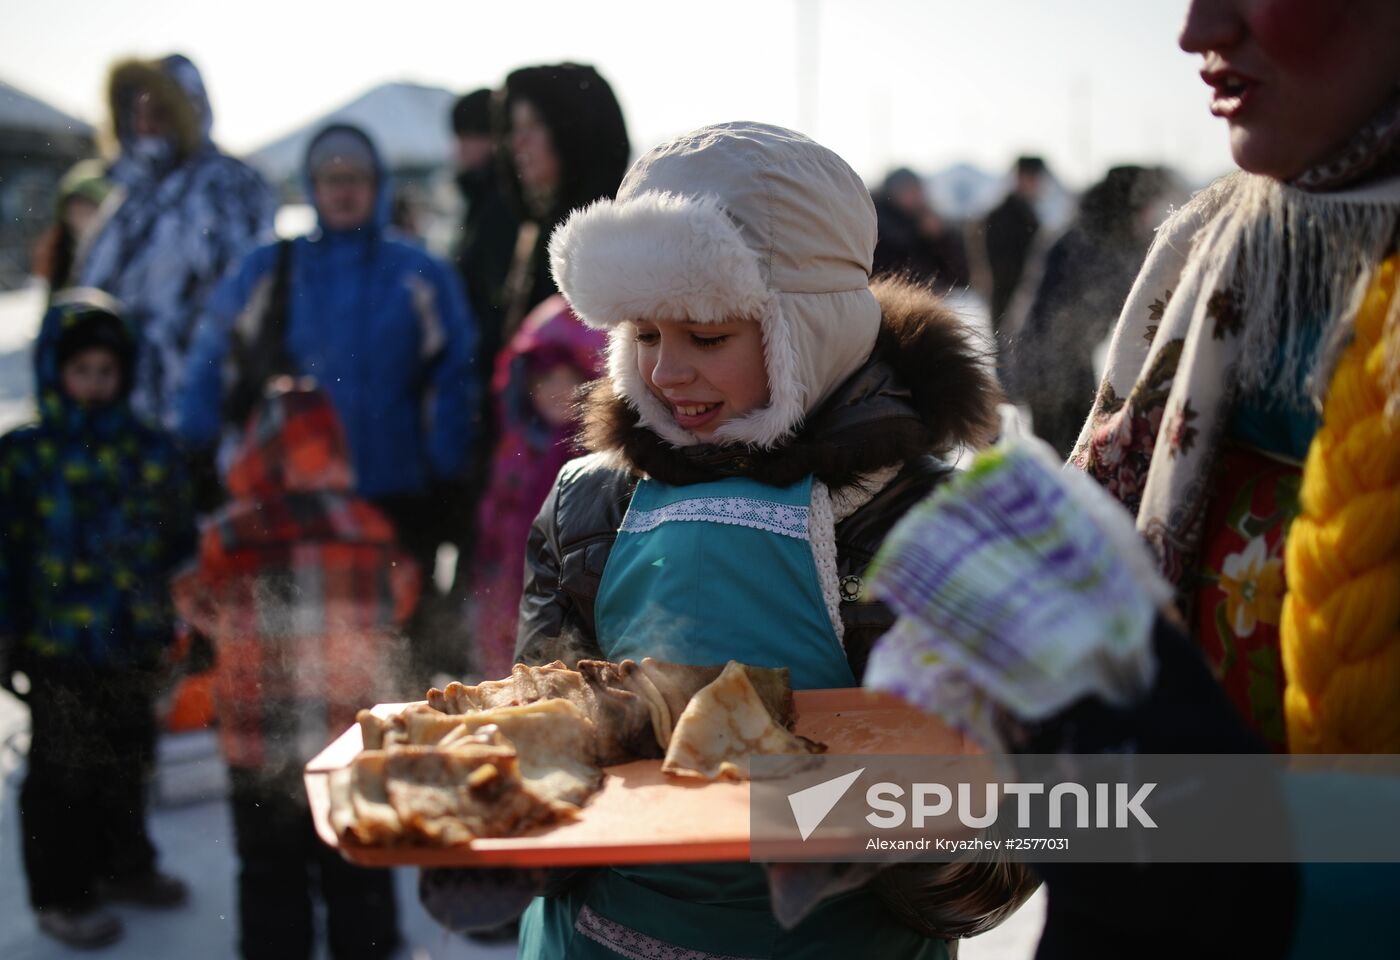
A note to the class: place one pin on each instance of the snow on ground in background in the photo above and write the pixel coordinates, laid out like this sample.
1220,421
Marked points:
196,843
974,313
20,313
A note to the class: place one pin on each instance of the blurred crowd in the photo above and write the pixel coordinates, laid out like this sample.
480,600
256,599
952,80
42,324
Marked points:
331,409
453,377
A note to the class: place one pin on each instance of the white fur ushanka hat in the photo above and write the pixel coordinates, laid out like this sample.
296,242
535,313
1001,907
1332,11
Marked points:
733,221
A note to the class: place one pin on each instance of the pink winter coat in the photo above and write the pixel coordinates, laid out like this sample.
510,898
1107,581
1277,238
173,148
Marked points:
528,455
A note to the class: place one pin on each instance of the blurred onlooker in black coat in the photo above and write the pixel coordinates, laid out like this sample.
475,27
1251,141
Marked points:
1087,275
483,250
486,239
568,147
914,241
1010,233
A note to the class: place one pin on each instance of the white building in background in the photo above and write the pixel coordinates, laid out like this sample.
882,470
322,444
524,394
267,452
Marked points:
410,124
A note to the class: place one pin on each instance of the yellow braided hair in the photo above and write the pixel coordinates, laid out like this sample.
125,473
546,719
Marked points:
1341,616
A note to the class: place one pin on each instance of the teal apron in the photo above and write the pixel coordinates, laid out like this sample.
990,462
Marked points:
704,574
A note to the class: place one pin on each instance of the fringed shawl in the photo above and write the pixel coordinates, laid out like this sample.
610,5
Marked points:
1223,304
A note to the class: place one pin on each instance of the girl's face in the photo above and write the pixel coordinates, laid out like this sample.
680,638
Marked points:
1294,79
704,373
536,162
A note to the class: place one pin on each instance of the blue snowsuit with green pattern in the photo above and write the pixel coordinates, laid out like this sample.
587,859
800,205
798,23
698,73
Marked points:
95,514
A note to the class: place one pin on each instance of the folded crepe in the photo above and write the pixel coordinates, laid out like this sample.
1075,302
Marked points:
726,724
634,706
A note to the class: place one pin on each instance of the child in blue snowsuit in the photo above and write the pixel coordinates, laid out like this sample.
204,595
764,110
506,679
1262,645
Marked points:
96,514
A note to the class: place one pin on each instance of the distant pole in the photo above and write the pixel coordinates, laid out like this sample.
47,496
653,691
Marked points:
1082,120
808,64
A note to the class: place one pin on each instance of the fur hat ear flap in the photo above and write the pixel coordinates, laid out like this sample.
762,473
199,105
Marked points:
787,395
662,256
657,256
628,384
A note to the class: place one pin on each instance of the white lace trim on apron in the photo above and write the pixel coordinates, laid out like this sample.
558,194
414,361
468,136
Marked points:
779,518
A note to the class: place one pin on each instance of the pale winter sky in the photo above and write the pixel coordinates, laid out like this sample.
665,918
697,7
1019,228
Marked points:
926,83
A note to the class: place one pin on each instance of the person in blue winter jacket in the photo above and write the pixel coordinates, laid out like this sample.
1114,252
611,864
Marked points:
379,323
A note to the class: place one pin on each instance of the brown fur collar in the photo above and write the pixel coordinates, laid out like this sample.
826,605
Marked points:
926,388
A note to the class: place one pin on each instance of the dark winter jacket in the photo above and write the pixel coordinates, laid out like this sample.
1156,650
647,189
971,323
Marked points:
483,252
95,515
381,325
922,392
905,249
1011,230
589,136
1082,289
1086,276
179,220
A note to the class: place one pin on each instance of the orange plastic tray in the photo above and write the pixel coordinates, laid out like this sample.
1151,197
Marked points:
641,815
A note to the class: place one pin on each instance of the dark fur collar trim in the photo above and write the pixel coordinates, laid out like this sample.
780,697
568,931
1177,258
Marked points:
926,388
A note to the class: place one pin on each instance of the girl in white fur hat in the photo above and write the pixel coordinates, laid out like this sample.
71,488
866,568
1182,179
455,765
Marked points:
766,418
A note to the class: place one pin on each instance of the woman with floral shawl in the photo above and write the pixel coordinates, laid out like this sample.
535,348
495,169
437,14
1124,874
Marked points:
1247,413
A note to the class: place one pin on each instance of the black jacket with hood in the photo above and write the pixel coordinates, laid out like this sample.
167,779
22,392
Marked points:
589,137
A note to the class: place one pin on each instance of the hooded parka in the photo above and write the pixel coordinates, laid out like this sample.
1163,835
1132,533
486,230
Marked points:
529,452
379,323
95,515
94,508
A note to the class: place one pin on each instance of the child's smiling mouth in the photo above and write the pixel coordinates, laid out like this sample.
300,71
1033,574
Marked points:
691,414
